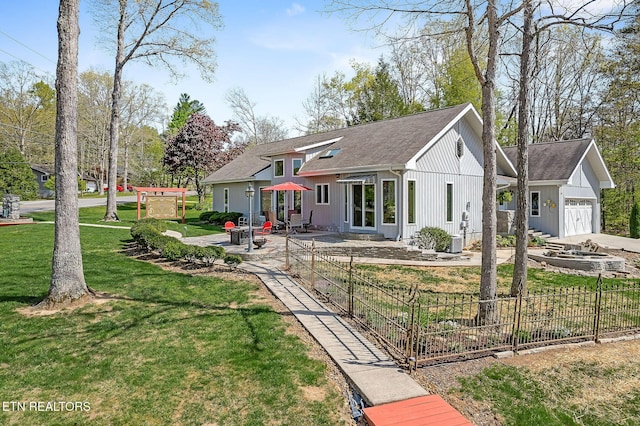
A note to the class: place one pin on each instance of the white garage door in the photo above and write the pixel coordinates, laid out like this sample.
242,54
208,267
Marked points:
577,217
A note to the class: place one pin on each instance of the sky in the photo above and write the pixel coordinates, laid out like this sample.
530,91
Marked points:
273,50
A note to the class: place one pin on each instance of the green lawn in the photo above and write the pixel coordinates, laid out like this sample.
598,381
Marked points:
128,215
574,393
466,279
170,348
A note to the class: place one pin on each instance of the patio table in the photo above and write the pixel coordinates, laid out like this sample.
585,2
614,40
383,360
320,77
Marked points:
240,235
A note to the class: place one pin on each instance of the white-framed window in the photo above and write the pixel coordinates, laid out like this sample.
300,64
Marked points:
44,178
389,201
278,168
296,163
226,200
449,202
346,203
322,193
534,204
411,201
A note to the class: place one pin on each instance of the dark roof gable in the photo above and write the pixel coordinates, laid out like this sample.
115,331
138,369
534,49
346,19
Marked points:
373,145
554,161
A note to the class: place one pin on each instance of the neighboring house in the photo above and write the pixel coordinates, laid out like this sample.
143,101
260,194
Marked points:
390,177
92,183
565,179
42,174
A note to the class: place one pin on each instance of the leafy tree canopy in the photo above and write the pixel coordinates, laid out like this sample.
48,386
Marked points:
200,147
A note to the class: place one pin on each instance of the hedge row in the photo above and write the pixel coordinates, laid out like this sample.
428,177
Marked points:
219,218
148,234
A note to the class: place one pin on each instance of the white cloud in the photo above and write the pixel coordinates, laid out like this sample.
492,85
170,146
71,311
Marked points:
295,9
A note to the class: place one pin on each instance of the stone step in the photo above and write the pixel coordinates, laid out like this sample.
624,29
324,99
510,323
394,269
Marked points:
536,233
555,246
362,237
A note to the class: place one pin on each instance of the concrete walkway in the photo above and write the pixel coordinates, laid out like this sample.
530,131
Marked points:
371,373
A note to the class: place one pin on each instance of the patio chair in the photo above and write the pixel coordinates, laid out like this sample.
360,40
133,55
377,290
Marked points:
275,223
228,226
307,223
265,230
295,222
243,221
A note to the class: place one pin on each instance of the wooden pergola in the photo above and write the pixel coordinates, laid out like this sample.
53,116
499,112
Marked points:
161,205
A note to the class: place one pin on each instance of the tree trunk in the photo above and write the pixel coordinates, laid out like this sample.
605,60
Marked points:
488,281
125,172
114,126
519,282
67,275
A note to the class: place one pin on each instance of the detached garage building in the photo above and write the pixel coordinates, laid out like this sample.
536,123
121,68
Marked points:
565,179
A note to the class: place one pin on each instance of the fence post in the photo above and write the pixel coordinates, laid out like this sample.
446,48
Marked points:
412,331
313,263
596,320
351,287
517,315
286,251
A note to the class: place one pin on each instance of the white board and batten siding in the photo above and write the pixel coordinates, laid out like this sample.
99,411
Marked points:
581,203
546,220
439,166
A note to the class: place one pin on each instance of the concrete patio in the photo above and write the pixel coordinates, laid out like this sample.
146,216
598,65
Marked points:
341,247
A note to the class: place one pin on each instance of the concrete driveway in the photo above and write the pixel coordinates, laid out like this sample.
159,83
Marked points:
604,240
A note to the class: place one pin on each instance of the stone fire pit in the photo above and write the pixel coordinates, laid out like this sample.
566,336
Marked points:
582,260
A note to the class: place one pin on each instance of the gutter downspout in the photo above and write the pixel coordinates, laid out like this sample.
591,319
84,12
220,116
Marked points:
400,216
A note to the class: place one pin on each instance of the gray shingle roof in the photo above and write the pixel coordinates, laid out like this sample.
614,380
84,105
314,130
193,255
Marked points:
554,161
374,145
384,143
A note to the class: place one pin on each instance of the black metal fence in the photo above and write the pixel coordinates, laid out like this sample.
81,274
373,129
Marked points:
421,328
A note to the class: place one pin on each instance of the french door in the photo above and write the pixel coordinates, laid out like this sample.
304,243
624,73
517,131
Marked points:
363,213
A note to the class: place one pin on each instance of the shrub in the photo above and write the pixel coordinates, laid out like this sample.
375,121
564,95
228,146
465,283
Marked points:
147,234
432,238
505,241
159,225
537,242
205,216
634,221
158,242
174,250
206,255
219,218
233,260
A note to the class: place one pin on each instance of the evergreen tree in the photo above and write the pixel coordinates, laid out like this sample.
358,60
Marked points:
377,96
183,110
16,176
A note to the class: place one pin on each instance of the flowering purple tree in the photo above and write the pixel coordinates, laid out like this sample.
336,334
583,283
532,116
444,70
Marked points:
199,148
